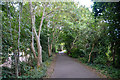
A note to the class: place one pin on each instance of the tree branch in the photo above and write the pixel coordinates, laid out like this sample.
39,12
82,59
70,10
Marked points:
41,22
91,53
52,11
32,18
74,42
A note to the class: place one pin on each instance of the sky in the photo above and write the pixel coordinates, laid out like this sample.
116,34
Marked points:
87,3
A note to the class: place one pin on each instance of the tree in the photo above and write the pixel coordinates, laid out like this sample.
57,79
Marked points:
37,36
112,20
17,56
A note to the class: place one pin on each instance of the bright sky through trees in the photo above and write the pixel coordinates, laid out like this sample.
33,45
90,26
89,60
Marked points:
87,3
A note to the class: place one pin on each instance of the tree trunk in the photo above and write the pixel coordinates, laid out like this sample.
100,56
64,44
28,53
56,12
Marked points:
113,53
51,45
74,42
37,36
49,49
17,63
33,49
39,47
90,53
33,24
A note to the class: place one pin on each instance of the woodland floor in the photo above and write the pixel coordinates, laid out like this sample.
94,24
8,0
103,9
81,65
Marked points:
67,67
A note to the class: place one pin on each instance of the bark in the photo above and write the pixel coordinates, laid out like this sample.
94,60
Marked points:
52,11
38,41
33,49
37,37
74,42
33,25
41,22
51,45
17,63
39,60
16,68
91,52
49,49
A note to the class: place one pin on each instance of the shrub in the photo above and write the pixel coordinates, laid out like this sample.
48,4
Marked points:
100,59
7,72
83,59
76,52
25,67
35,72
44,55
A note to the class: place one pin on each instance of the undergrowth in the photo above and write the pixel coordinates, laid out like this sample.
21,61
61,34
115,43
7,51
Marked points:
109,71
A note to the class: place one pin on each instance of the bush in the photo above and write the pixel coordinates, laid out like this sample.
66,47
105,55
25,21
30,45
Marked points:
25,67
7,72
76,52
35,72
83,59
44,55
107,70
100,59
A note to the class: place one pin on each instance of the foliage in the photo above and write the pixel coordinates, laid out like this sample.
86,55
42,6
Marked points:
109,71
35,73
76,52
100,60
82,59
86,35
45,56
103,10
7,72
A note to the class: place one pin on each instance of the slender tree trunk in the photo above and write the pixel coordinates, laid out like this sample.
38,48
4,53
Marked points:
1,40
51,45
37,36
17,64
39,52
91,52
16,68
33,49
49,50
37,39
113,53
32,43
74,42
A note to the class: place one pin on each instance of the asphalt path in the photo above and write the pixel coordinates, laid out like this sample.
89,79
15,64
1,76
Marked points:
66,67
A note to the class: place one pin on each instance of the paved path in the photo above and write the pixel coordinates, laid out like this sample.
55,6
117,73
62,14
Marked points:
66,67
